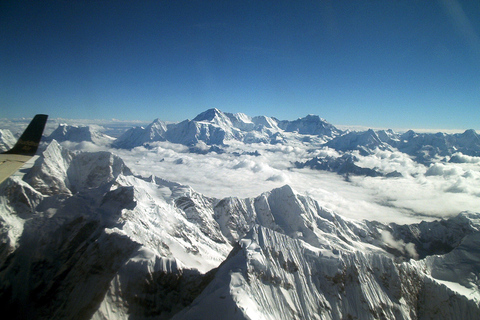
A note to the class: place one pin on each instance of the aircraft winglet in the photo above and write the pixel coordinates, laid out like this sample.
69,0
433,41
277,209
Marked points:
30,139
24,149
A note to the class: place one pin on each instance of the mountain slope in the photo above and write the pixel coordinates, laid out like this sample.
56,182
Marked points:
61,171
272,276
91,252
84,238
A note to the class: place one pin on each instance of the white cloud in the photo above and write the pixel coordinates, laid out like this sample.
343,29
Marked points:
279,177
410,248
390,161
462,158
399,245
439,169
414,197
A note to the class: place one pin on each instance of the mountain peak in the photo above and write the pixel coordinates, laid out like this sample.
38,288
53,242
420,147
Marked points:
470,133
65,132
61,171
313,117
311,124
71,132
209,115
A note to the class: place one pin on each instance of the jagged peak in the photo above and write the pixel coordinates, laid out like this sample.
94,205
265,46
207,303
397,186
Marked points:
53,149
71,132
240,116
60,170
310,124
285,189
209,115
157,124
157,120
79,133
409,135
386,135
370,133
313,117
267,122
470,133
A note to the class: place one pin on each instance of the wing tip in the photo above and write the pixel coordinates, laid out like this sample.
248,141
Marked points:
30,138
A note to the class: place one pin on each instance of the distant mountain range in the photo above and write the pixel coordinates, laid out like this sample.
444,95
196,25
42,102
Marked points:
212,130
214,127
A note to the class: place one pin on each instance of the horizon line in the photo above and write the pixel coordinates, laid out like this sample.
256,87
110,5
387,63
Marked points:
343,127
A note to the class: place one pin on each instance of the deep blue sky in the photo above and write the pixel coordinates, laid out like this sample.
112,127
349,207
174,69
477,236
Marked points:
398,64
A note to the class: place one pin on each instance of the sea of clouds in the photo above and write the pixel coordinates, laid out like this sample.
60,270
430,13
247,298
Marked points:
443,189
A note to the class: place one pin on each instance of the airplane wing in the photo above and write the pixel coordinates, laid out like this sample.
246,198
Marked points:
24,149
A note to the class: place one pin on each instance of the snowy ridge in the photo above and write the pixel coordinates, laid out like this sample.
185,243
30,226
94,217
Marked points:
66,132
342,165
426,146
214,127
138,135
61,171
274,276
217,129
422,146
311,125
365,142
83,236
106,239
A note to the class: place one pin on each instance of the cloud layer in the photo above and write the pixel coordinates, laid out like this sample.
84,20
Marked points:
444,188
246,170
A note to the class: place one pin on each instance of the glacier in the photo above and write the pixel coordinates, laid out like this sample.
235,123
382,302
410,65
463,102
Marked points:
85,236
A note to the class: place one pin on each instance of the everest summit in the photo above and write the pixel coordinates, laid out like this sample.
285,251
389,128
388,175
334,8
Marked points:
215,127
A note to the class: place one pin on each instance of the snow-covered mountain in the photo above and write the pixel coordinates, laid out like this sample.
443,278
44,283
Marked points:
61,171
423,147
7,140
137,136
273,276
83,238
426,146
65,132
311,125
91,241
366,142
215,127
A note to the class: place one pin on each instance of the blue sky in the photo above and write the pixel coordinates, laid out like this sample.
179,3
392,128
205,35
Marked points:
396,64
